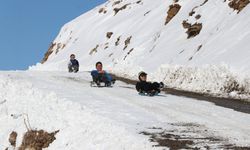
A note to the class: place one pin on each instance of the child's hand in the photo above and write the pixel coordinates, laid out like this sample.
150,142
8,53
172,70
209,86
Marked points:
102,71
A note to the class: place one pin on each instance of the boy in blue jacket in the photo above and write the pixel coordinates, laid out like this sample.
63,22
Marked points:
100,75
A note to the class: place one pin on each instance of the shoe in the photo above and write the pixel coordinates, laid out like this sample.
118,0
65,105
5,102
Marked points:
98,83
107,84
113,81
161,85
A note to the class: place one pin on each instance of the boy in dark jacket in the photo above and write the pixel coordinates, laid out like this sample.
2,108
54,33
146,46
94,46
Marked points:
73,64
148,88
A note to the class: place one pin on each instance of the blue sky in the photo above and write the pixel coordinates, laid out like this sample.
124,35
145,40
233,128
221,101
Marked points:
28,27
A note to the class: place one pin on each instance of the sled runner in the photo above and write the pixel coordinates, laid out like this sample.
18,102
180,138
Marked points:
102,84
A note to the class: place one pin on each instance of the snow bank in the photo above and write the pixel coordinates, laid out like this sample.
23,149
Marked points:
82,127
210,79
216,80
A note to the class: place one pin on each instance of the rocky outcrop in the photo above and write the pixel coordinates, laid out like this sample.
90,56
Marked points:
127,42
102,10
53,46
116,10
192,30
116,3
172,11
238,4
109,34
48,53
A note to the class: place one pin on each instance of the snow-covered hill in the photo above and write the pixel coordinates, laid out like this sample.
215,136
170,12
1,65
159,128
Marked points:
200,45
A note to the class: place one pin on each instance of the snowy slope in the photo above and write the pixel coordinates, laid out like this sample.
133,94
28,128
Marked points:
137,38
99,118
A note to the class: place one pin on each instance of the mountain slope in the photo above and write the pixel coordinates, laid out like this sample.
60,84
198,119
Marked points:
169,39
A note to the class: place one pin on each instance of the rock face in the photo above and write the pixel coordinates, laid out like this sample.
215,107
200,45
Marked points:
53,47
173,10
238,4
48,53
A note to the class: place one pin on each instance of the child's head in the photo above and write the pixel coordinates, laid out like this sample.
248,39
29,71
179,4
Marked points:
98,66
142,76
72,56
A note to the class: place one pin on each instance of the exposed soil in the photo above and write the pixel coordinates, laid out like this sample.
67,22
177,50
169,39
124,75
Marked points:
187,136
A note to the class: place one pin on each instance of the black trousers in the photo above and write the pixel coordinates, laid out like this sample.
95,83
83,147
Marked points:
147,87
73,68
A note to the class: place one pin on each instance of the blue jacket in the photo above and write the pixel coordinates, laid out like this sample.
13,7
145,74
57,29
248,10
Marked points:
94,73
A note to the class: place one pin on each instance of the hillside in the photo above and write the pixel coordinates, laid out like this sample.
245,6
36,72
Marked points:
199,46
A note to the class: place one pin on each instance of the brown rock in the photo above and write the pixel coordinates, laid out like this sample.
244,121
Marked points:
185,24
109,34
238,4
48,53
194,30
172,11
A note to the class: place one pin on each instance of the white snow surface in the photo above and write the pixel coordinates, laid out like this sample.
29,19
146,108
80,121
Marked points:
105,118
161,50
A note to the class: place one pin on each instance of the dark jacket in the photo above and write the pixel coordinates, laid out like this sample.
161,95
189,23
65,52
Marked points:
73,62
147,87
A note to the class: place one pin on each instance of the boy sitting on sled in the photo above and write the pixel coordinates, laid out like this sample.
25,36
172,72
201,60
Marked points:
147,88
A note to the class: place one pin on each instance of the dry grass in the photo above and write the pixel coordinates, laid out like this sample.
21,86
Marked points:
12,138
37,140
